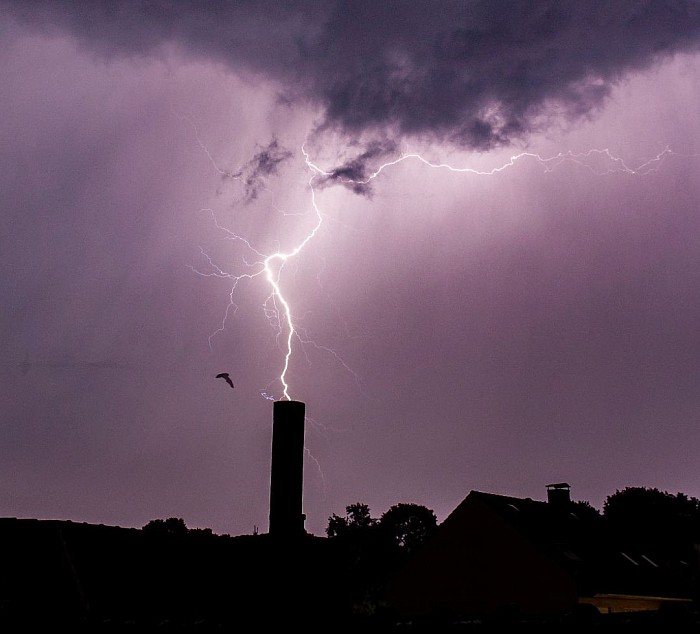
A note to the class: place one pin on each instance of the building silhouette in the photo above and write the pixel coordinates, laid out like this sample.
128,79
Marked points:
496,555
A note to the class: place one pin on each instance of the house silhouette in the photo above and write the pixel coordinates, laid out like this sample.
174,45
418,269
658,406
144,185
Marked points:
496,555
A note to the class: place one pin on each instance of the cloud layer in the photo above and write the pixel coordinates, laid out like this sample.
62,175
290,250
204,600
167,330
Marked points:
477,74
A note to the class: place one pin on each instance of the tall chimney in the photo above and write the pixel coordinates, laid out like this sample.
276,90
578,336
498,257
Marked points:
287,469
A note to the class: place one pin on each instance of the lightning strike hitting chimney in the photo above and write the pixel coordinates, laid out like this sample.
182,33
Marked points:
287,469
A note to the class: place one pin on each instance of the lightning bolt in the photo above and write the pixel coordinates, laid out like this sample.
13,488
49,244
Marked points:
277,308
273,280
586,160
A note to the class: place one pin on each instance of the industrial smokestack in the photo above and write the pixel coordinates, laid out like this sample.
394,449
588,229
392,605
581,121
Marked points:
287,469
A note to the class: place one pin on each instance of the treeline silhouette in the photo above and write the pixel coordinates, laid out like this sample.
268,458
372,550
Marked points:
168,577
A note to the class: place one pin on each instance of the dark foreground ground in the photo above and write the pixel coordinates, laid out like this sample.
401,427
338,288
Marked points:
590,623
84,579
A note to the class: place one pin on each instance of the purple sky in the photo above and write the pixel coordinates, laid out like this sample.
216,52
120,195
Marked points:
457,330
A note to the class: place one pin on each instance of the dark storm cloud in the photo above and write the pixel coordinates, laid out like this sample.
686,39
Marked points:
263,164
478,74
355,173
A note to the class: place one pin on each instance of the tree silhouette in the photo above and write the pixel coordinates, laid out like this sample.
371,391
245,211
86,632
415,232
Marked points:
640,503
408,526
372,550
650,517
174,526
585,511
357,519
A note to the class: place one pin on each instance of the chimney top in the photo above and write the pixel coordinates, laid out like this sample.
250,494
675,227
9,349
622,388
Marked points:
559,485
559,494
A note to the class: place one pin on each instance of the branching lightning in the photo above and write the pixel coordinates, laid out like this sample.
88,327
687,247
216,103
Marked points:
583,159
276,307
274,281
269,267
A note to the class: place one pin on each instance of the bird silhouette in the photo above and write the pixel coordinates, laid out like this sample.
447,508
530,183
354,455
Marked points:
225,377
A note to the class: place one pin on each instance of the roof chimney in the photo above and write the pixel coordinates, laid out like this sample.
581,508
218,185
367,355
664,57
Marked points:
559,494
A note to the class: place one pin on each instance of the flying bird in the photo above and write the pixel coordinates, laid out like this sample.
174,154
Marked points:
225,376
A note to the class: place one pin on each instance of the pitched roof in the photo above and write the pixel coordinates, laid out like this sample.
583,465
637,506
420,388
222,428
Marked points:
579,540
560,531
